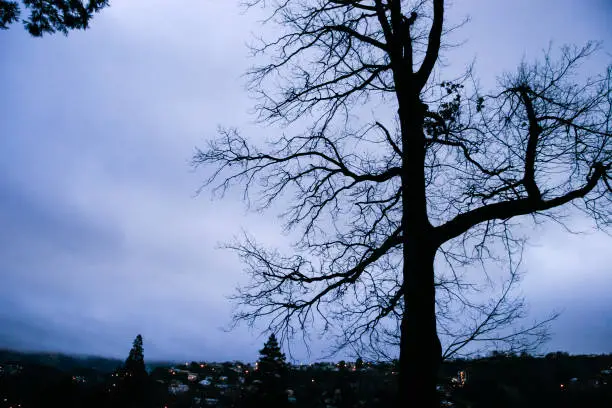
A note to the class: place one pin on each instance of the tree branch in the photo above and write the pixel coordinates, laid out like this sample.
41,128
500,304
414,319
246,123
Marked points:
433,46
508,209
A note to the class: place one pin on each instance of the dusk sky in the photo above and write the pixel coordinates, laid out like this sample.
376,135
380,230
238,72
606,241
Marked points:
102,234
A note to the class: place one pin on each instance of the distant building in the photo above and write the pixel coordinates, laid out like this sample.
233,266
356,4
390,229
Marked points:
178,388
460,379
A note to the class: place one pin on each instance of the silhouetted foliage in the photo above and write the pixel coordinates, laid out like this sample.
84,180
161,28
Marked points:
499,380
134,364
359,363
557,380
270,376
49,16
133,381
271,360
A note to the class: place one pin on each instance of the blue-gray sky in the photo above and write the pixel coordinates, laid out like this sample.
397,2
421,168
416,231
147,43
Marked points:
101,235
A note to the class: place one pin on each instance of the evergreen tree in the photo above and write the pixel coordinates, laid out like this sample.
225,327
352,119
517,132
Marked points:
271,360
47,17
132,390
134,364
272,372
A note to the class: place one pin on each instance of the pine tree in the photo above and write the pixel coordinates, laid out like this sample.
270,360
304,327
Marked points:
271,360
134,364
272,372
132,389
48,17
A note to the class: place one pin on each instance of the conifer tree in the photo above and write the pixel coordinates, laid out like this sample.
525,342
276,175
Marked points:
271,360
134,364
272,372
50,16
132,389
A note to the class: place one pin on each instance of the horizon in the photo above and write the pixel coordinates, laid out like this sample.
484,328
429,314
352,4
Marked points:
289,361
103,234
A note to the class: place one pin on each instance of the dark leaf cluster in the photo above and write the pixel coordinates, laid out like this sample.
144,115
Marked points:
50,16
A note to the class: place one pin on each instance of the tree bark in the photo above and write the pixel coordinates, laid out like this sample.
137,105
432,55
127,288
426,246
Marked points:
420,349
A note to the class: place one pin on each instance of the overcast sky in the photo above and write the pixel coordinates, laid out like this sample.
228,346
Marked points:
101,234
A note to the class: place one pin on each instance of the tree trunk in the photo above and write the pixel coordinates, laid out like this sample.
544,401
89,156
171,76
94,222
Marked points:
420,350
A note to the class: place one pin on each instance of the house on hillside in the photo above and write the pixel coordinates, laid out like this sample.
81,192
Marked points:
460,379
178,388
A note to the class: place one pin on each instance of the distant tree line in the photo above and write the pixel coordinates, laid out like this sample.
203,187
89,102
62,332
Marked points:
499,380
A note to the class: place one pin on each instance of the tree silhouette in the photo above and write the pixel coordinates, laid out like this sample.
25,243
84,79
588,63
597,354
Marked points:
272,372
134,364
49,16
271,360
359,363
133,381
382,198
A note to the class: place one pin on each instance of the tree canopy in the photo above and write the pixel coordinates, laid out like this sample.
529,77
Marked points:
50,16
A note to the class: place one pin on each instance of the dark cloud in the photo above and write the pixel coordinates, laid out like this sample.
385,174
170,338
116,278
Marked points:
29,222
101,237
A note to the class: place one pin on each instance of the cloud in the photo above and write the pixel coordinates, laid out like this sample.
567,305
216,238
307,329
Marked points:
101,237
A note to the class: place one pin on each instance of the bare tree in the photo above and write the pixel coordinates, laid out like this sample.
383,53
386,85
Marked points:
437,174
472,319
